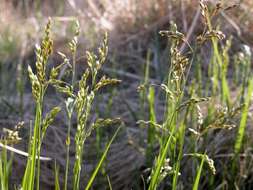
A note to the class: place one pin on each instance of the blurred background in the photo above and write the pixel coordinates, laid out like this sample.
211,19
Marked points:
133,27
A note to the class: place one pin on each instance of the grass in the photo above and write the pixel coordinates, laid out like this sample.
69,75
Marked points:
81,102
176,137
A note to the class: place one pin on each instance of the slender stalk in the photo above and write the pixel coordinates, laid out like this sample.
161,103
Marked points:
69,125
67,157
181,147
74,68
73,48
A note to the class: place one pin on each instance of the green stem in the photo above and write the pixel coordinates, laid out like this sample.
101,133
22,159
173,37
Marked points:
69,122
67,152
39,142
74,69
28,180
225,90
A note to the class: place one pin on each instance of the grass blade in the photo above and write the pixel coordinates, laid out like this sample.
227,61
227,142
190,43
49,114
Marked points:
109,182
90,182
197,178
56,177
243,122
181,145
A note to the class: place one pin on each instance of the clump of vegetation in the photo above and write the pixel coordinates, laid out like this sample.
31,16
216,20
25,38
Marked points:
79,100
183,108
180,137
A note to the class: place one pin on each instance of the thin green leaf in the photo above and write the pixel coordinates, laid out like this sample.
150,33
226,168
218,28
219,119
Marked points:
90,182
197,178
56,177
243,122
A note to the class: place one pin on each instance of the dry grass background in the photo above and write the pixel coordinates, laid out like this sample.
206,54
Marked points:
132,26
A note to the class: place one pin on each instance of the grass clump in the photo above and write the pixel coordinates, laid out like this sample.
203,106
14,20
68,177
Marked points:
181,135
79,101
183,107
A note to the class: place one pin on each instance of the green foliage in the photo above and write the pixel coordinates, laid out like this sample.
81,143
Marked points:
79,102
183,120
243,122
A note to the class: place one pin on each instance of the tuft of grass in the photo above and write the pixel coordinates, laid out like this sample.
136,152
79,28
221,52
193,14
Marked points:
79,101
183,120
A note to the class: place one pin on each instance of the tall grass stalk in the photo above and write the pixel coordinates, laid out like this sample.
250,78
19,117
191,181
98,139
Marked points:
39,83
38,89
174,93
83,104
151,129
215,36
70,101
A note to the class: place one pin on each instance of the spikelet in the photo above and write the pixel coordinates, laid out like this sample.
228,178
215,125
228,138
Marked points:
170,94
65,90
36,87
105,122
73,44
74,41
193,101
101,122
47,42
43,52
83,81
208,160
12,136
204,11
173,34
55,70
210,163
141,122
104,82
209,35
103,50
166,169
49,120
